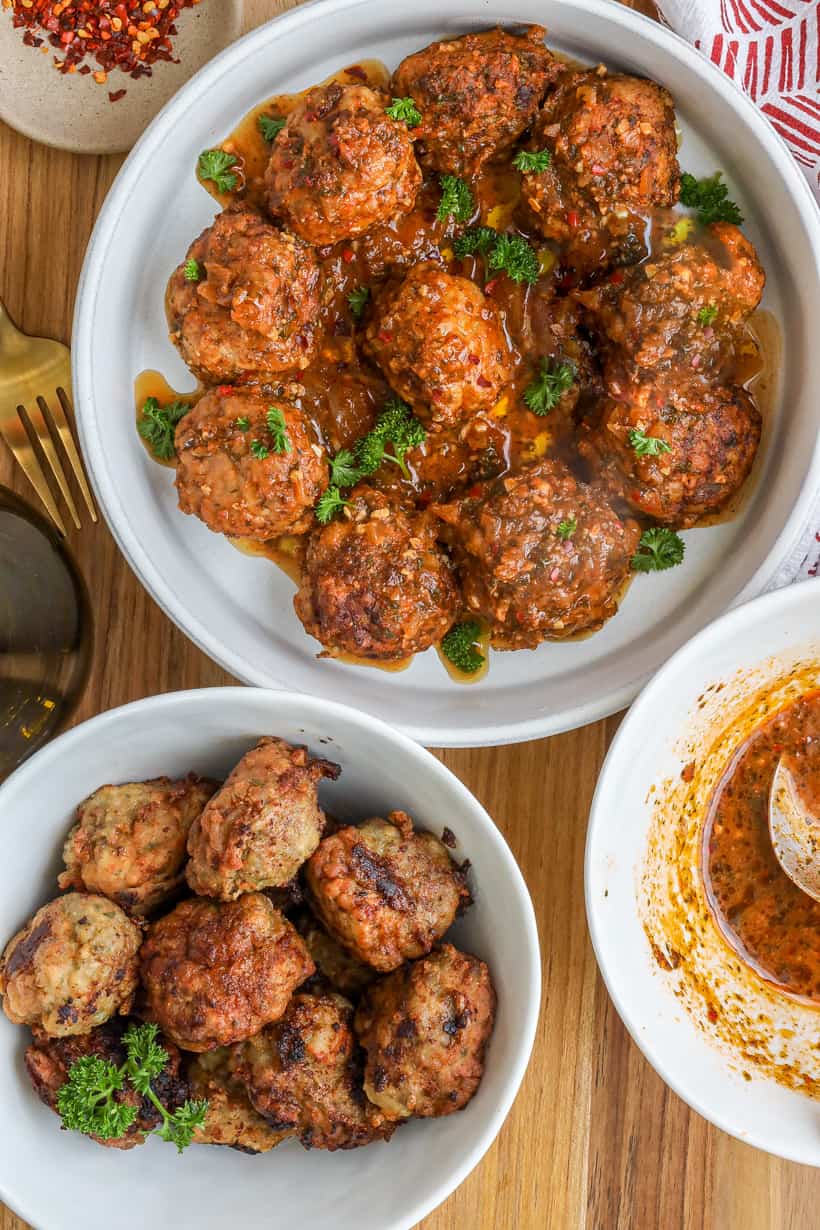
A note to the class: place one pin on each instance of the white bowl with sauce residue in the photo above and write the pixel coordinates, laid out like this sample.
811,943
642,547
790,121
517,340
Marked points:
238,609
739,1048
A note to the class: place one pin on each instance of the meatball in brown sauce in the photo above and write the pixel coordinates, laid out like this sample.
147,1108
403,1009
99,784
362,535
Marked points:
541,556
341,164
375,582
385,891
240,476
425,1030
476,94
253,304
217,972
261,825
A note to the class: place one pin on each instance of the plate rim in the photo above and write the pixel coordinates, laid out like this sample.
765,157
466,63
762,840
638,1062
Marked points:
230,658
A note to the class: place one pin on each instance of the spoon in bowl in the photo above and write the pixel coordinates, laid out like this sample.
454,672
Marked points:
794,831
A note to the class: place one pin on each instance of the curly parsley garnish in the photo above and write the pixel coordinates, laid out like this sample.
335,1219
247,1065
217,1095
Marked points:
259,450
157,425
404,109
357,300
192,270
532,160
658,550
647,446
328,504
277,427
549,386
343,469
215,164
456,200
243,423
397,428
565,529
515,257
459,645
270,126
87,1101
476,239
707,315
710,197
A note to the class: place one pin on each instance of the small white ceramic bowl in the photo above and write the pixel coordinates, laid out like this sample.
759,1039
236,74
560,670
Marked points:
689,714
58,1180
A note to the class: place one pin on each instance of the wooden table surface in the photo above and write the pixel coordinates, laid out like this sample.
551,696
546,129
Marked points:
595,1141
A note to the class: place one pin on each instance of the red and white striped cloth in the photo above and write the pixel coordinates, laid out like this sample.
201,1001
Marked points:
771,50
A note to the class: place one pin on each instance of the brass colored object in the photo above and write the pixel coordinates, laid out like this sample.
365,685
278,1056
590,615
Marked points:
35,376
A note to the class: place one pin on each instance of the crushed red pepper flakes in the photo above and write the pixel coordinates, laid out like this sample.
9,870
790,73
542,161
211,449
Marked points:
129,35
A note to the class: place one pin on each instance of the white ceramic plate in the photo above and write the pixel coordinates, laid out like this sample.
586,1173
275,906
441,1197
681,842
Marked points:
239,609
57,1180
757,644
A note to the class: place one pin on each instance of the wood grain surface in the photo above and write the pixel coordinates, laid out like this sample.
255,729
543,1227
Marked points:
595,1141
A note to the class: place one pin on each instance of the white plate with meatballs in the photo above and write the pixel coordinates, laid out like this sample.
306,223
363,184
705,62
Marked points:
261,922
505,359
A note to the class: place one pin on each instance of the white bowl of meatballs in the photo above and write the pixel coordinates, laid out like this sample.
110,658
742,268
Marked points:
253,924
496,347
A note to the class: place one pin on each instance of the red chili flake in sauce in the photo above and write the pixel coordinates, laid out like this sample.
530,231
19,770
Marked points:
348,255
130,35
490,286
573,219
384,336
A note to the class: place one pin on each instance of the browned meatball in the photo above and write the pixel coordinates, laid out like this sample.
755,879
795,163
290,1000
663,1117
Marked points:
613,151
241,478
72,966
230,1119
375,582
425,1030
215,973
129,841
345,972
261,825
707,441
680,308
341,164
386,892
476,94
304,1074
48,1061
255,304
439,341
541,555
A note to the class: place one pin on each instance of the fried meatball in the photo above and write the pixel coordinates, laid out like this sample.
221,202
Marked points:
48,1061
255,304
234,473
613,150
385,891
345,972
476,94
261,825
651,318
375,583
341,164
709,438
129,841
71,967
230,1119
304,1074
214,973
541,555
438,340
425,1030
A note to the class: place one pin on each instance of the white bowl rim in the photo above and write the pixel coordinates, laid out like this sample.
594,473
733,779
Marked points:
221,697
127,181
760,611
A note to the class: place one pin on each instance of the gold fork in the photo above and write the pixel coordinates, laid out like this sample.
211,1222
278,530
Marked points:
32,368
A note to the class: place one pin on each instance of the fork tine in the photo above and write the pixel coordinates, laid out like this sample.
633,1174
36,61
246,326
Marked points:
22,448
37,419
59,414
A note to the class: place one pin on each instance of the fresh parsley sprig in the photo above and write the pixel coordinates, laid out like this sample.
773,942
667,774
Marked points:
535,161
707,315
397,428
215,164
270,126
192,270
88,1103
277,427
478,239
357,300
546,390
460,646
329,503
343,469
659,549
157,425
647,446
565,529
456,200
710,197
405,110
515,257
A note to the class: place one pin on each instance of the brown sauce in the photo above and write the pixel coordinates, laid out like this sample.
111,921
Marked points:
771,923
